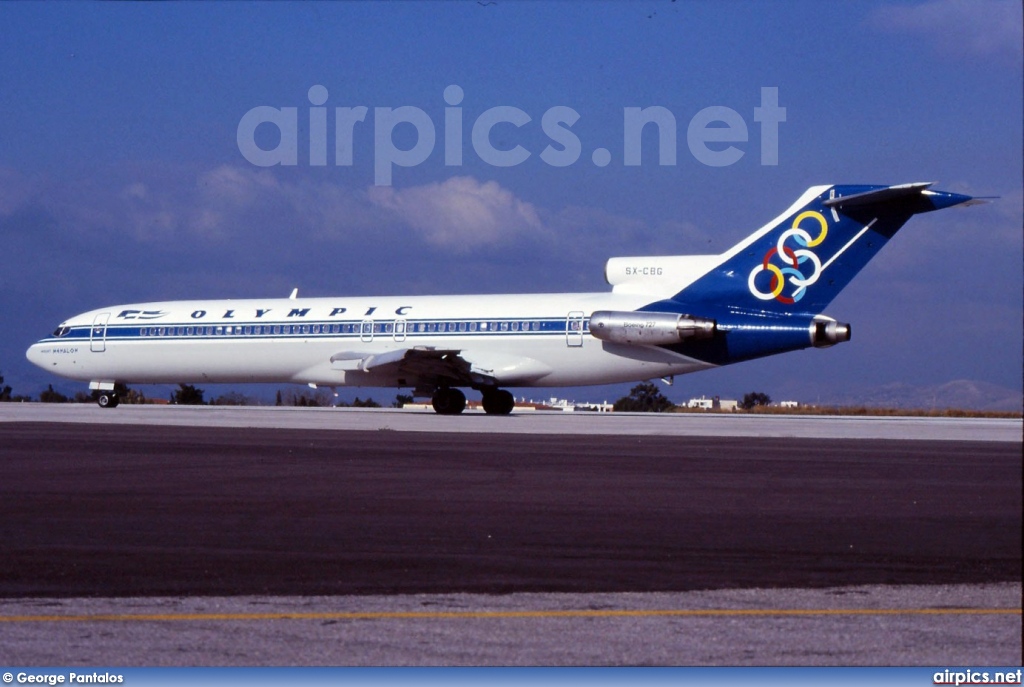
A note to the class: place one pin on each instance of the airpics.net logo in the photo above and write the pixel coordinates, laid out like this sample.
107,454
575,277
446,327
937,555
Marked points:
713,135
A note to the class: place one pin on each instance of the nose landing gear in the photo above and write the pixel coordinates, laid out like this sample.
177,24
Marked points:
108,399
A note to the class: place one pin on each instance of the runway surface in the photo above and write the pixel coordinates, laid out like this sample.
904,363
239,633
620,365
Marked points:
528,422
138,515
889,626
141,510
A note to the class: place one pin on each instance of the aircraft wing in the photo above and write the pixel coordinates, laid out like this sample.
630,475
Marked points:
425,366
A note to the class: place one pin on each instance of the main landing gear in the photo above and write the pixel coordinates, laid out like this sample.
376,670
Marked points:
498,402
448,401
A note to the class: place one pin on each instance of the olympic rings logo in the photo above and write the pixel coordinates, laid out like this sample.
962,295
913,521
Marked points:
794,261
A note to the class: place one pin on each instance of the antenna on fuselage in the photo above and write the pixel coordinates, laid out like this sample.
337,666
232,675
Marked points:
295,294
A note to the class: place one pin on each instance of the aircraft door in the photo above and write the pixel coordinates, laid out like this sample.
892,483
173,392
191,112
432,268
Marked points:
98,333
574,329
400,328
366,330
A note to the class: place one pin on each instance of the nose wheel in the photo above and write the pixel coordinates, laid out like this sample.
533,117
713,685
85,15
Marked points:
107,400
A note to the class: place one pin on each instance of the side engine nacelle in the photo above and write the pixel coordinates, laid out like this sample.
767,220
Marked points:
648,328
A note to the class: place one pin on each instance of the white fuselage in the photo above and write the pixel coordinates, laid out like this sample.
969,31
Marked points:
518,340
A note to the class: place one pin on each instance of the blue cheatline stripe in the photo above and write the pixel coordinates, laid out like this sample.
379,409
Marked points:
347,329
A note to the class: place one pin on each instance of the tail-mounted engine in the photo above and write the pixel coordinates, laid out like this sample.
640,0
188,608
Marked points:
649,328
826,332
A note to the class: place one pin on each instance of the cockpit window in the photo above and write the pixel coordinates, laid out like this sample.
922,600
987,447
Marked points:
61,331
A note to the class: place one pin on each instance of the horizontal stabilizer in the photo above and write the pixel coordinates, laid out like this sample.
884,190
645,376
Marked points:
878,195
912,198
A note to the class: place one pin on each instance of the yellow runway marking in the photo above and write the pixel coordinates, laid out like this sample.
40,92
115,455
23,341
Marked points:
499,615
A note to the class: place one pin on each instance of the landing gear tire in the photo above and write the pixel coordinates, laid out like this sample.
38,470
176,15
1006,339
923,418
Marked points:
107,400
448,401
498,402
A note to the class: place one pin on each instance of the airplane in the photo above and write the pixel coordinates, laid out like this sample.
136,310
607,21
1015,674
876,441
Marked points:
664,316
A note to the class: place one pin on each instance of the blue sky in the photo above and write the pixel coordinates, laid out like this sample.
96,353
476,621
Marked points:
121,178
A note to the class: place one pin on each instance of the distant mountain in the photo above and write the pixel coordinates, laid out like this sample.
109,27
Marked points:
964,394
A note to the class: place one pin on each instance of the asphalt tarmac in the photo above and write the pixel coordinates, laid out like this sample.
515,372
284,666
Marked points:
147,510
527,421
931,625
176,544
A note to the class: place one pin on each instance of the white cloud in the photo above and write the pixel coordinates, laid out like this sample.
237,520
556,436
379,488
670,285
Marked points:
230,202
460,213
229,185
268,211
961,28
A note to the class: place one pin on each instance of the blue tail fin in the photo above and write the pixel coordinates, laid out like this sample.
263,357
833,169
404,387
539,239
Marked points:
801,260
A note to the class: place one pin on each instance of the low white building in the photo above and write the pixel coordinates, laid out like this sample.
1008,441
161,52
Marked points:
714,403
573,406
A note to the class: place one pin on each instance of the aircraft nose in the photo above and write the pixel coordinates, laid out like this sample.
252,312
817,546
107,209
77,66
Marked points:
35,355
